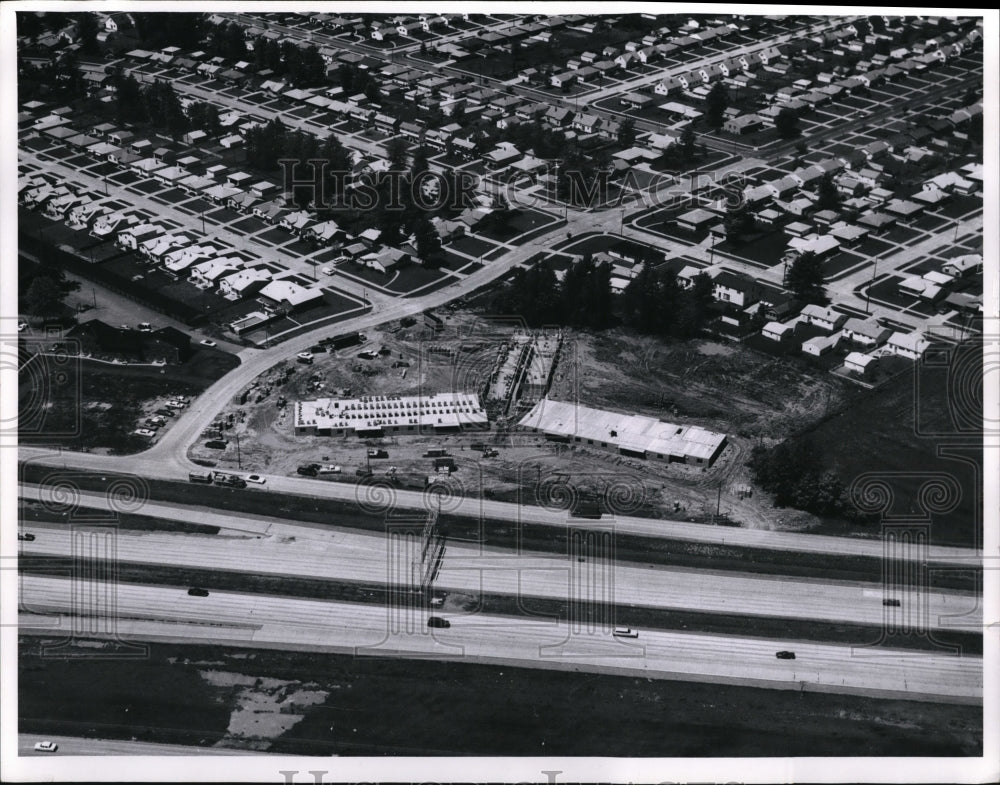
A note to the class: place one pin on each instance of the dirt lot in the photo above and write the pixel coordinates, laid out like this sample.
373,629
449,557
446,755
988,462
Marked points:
724,387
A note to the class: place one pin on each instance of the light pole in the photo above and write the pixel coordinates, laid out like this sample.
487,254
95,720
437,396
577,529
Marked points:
868,294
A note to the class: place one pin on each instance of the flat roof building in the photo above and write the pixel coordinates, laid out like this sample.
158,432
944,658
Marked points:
381,414
636,435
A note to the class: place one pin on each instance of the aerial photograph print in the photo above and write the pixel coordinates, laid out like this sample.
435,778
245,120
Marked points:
547,393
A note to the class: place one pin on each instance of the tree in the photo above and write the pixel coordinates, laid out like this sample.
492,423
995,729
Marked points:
828,197
715,105
626,132
87,32
428,241
805,279
787,123
738,221
397,151
44,297
687,142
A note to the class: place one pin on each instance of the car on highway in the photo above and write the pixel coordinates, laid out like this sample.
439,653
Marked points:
26,536
255,478
892,603
625,632
145,327
207,342
438,623
194,591
46,746
785,655
146,432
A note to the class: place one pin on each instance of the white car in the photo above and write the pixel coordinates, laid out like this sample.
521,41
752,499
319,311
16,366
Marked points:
331,469
22,326
46,746
256,478
176,404
145,327
305,357
145,432
207,342
327,271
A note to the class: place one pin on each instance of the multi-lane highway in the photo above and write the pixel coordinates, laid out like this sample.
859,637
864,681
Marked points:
154,464
281,548
158,613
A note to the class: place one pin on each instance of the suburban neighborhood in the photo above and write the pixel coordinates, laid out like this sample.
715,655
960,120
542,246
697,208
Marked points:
590,348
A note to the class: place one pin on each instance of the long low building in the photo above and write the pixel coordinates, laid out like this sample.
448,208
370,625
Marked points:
635,435
376,415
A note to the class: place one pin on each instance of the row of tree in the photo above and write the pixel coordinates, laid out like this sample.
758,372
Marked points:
582,299
793,472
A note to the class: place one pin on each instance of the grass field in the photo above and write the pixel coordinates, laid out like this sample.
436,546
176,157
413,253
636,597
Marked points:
902,430
340,705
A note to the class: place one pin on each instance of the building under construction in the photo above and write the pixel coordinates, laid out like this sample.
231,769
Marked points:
630,434
524,368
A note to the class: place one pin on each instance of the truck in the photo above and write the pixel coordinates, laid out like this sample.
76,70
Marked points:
229,480
203,477
436,452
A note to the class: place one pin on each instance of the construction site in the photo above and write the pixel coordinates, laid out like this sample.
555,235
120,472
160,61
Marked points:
363,392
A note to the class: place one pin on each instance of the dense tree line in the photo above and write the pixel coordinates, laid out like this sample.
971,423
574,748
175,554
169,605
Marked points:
582,299
792,472
655,302
300,66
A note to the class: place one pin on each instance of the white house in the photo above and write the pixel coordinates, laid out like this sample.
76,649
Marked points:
859,363
909,345
824,317
866,332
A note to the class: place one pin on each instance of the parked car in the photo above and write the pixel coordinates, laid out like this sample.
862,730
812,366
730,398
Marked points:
164,412
330,469
146,432
255,478
309,469
196,592
438,623
152,424
305,357
785,655
26,536
46,746
176,404
327,271
401,364
378,454
625,632
207,342
145,327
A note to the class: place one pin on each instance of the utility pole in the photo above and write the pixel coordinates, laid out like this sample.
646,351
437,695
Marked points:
92,289
239,460
718,502
868,294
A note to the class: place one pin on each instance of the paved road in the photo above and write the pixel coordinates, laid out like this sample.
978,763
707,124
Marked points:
160,465
274,547
147,612
73,745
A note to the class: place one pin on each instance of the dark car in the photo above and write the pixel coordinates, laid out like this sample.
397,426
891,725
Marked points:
309,470
26,536
438,623
196,592
785,655
891,603
165,412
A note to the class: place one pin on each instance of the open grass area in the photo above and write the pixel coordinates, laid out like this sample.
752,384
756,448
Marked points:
899,431
193,694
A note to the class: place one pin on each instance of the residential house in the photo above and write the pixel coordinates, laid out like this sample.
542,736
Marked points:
824,317
909,345
865,332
